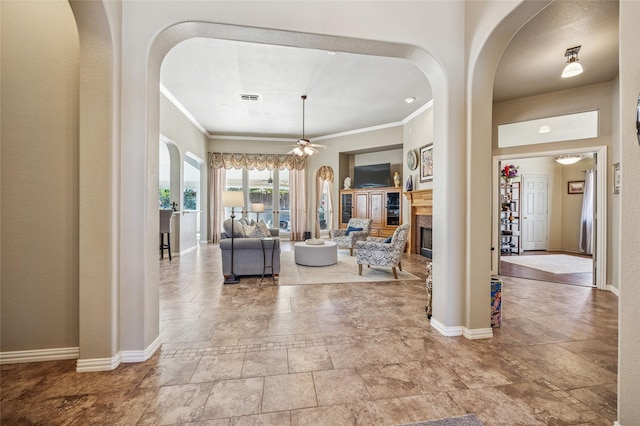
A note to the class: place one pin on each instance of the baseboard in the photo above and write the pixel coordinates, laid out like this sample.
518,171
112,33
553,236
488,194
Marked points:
98,364
143,355
617,423
108,364
446,331
39,355
471,334
614,290
478,333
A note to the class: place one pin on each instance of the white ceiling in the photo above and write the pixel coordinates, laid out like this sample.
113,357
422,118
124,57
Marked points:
206,77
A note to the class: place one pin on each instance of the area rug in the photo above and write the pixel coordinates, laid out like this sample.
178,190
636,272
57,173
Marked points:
468,420
553,263
345,271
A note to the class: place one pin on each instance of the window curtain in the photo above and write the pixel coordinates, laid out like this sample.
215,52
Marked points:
325,174
586,218
298,192
217,178
219,160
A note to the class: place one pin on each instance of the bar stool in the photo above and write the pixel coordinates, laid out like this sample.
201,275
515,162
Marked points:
166,217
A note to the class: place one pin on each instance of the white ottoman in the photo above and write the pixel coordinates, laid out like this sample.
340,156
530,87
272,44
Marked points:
316,255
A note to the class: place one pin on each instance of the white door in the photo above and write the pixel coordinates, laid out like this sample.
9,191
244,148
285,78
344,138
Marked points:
535,215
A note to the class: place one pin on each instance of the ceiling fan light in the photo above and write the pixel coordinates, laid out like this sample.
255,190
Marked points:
308,150
569,159
298,151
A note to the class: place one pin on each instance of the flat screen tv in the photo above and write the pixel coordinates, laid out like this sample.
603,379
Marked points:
372,176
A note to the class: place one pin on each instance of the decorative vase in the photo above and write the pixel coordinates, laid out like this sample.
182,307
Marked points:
396,180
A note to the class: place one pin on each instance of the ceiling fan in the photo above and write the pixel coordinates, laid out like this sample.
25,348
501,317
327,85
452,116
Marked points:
304,146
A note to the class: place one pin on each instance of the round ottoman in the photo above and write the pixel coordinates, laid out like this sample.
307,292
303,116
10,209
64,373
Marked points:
317,254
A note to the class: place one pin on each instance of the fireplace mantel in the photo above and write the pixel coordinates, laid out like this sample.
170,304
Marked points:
421,205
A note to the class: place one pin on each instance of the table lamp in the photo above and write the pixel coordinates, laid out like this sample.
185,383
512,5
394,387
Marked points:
257,208
232,199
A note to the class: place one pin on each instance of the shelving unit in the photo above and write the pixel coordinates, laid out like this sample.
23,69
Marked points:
510,218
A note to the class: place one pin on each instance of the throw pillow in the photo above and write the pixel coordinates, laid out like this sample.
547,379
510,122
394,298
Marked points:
238,231
265,228
255,232
244,221
388,240
352,229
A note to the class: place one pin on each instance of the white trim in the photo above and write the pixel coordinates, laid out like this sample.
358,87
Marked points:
417,112
447,331
477,333
182,109
98,364
141,356
613,290
617,423
108,364
39,355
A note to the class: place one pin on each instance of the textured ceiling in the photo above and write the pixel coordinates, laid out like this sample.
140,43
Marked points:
347,91
534,59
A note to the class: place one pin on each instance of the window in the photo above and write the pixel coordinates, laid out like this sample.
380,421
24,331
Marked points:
324,211
164,177
270,188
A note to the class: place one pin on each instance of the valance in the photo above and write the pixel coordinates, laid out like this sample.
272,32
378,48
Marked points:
325,173
219,160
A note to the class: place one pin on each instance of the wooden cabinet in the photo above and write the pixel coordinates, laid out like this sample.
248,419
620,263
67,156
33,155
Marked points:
381,205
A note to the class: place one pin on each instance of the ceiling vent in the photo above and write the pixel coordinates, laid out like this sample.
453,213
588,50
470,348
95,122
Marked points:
248,97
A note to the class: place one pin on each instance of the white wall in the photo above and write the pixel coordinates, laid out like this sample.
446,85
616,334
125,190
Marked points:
39,184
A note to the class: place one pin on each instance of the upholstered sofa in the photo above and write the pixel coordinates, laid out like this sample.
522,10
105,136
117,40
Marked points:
248,256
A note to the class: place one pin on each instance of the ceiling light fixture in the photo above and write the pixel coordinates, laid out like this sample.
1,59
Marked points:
573,68
304,146
544,129
569,158
409,100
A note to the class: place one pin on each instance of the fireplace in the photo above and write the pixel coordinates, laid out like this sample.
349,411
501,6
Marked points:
426,245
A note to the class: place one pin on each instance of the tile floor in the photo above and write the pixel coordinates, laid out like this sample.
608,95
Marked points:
337,354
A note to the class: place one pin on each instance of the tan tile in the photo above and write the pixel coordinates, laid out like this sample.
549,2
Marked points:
218,367
169,372
115,408
335,415
340,386
265,363
562,367
309,359
288,392
176,404
408,409
282,418
388,381
231,398
493,407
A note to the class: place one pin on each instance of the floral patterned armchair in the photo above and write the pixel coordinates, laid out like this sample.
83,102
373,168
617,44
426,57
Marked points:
375,251
348,238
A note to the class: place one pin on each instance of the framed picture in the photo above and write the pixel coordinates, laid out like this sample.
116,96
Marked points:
426,163
616,178
576,187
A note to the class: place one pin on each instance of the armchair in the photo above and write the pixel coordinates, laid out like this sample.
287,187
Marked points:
348,238
375,251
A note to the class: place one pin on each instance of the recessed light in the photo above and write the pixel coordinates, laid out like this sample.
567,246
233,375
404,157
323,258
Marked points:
409,100
332,53
544,129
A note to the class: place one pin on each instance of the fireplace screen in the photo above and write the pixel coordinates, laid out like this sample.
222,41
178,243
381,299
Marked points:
425,242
